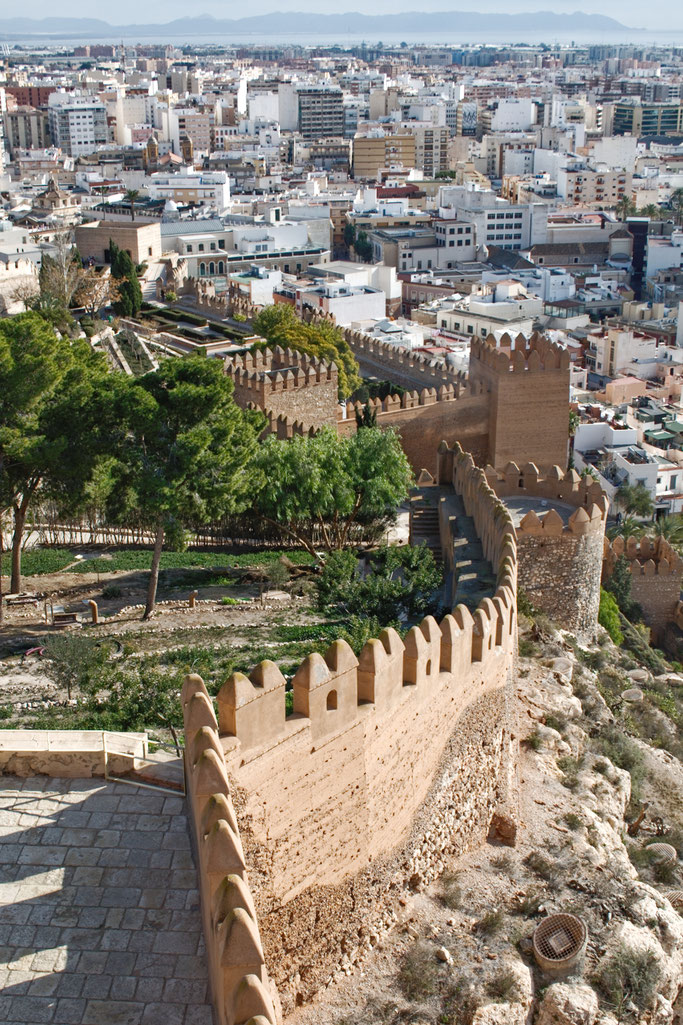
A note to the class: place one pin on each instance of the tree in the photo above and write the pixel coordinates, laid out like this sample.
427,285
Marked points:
349,234
624,208
96,289
608,616
619,584
635,499
130,196
184,449
60,271
324,485
129,294
671,528
363,246
52,406
676,201
279,325
651,210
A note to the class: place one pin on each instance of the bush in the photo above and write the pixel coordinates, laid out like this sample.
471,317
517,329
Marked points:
573,821
417,974
450,890
629,975
534,741
524,606
608,616
502,988
490,923
111,591
399,581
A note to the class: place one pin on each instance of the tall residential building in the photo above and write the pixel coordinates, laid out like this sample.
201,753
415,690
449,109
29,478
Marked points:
78,124
647,119
321,112
431,147
379,149
26,128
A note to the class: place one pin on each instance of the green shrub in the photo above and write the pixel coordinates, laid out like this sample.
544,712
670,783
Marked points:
608,616
111,591
629,975
534,741
524,606
573,821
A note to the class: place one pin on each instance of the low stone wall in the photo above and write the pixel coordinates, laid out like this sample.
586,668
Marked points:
69,754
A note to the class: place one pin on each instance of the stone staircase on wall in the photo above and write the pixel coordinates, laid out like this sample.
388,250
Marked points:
424,520
473,575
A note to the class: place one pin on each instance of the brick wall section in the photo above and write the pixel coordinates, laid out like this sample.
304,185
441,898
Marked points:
424,419
656,572
528,386
92,240
286,383
389,761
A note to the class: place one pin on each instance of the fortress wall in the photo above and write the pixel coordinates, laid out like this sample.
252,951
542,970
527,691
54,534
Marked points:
240,987
389,762
559,564
402,366
424,419
286,383
528,382
656,572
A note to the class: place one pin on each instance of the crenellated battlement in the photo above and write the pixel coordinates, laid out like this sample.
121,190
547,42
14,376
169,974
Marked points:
517,355
286,383
558,553
569,488
330,793
647,556
240,987
407,368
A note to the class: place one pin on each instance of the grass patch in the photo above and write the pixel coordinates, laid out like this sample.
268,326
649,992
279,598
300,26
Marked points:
136,559
543,867
40,561
450,890
573,821
490,923
502,988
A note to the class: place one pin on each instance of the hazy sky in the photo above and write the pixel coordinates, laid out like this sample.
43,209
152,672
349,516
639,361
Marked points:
657,14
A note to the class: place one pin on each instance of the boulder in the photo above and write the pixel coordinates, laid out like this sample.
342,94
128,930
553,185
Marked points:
566,1003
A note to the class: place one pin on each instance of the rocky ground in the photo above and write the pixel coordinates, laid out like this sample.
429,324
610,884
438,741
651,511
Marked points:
462,953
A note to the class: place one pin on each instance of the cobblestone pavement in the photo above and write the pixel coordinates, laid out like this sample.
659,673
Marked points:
99,912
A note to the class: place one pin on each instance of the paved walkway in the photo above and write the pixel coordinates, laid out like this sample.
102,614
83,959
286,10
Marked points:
99,912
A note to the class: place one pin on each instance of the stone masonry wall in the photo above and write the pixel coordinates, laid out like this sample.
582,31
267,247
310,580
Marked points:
286,383
559,564
656,572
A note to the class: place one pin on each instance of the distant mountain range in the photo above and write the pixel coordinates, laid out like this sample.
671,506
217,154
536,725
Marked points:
455,23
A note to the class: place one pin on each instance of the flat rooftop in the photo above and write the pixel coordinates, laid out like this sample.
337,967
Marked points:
99,911
519,507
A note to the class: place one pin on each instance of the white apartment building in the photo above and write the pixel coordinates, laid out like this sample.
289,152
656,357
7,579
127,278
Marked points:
508,308
78,123
664,253
198,188
497,222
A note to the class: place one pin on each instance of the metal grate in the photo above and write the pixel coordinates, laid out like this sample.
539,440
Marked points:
662,853
675,899
559,940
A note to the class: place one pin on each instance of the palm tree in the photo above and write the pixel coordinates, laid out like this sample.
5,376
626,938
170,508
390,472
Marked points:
635,499
130,197
625,208
676,201
651,210
671,528
627,527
